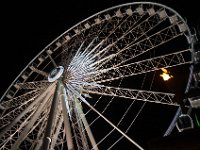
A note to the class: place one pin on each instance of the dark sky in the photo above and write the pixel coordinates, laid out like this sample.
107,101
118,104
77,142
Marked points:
27,27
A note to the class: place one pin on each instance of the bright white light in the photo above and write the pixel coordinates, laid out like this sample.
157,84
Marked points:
165,75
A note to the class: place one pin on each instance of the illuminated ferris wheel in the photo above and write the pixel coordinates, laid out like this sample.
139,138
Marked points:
99,85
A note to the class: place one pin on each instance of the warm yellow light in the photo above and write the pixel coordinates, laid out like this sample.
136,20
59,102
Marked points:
164,70
165,75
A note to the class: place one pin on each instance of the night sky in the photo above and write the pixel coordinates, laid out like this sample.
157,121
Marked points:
28,27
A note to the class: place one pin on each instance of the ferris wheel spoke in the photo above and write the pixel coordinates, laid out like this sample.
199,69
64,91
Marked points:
86,126
52,60
16,122
77,55
120,27
14,102
146,25
150,96
115,22
38,71
144,66
36,131
15,130
37,142
110,123
81,127
134,49
119,122
80,62
137,30
120,24
79,132
11,115
39,115
33,85
30,126
20,127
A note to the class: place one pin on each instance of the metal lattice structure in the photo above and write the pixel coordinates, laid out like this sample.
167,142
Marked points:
64,95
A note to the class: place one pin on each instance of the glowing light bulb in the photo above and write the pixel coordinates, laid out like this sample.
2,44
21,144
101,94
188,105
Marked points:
165,75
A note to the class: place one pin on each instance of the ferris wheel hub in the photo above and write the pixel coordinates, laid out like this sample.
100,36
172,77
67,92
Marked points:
55,74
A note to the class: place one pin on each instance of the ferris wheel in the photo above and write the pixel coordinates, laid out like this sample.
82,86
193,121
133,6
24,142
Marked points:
99,85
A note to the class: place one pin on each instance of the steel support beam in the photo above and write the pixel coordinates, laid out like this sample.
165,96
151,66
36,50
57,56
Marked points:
89,132
52,115
87,127
67,127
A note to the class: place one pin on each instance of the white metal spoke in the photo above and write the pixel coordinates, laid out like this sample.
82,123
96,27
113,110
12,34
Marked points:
43,73
9,116
16,123
151,96
141,29
14,102
71,88
144,66
135,48
33,85
37,142
115,127
118,28
52,60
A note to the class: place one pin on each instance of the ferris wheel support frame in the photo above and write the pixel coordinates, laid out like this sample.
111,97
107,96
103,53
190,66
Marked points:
67,128
52,115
